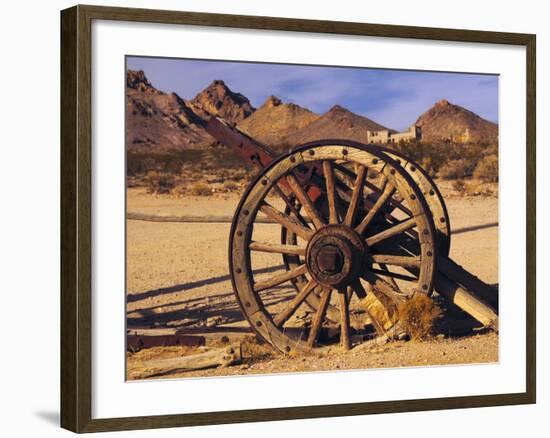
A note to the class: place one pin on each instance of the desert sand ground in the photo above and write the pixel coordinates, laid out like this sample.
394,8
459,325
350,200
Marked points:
178,278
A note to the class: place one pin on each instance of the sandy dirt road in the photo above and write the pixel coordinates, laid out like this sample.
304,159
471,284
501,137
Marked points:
178,278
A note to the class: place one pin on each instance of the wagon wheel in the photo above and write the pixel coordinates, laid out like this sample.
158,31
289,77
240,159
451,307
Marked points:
426,185
342,251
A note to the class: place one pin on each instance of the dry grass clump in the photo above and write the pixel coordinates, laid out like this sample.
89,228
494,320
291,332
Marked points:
456,169
418,315
230,186
159,183
487,169
459,186
201,189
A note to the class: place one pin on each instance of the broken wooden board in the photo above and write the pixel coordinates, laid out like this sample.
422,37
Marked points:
230,355
136,342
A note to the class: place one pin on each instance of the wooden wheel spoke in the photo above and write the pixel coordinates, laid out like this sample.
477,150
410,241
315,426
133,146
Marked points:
345,337
391,279
396,260
380,286
280,278
284,315
374,188
399,228
359,289
305,200
286,221
290,205
331,192
393,275
388,192
356,196
317,322
277,248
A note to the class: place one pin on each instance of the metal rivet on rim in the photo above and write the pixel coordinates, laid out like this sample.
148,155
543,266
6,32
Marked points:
245,212
239,233
293,159
413,197
311,152
247,304
429,253
442,219
374,160
432,192
425,286
238,270
392,171
287,349
398,161
258,323
345,151
264,182
413,168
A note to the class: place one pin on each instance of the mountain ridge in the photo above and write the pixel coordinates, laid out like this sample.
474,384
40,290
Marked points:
157,121
450,122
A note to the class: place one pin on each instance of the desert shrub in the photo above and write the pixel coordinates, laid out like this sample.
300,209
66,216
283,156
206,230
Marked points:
459,186
434,156
230,186
159,183
456,169
221,157
487,169
140,163
418,315
428,165
201,189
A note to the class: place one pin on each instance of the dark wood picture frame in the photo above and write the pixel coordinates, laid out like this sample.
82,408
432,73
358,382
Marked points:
76,217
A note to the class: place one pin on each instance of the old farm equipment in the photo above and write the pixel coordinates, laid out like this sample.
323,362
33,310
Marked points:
358,222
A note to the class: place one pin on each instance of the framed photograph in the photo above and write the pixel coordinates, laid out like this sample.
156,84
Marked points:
268,218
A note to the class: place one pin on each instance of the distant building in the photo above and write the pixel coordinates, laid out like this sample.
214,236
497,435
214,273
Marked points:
386,136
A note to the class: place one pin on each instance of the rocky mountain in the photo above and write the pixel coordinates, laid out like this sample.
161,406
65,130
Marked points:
275,121
158,121
338,123
217,99
446,121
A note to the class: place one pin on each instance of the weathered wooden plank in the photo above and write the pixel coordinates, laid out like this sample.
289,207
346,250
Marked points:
457,273
137,342
191,219
226,356
468,302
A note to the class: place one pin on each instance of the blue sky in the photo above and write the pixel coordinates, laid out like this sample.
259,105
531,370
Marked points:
394,98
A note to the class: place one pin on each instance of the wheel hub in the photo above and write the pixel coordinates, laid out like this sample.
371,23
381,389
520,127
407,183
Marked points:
335,255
